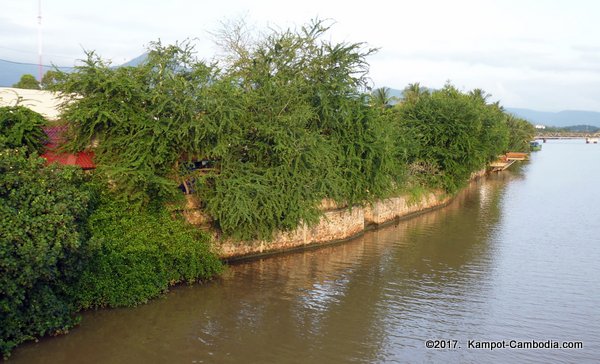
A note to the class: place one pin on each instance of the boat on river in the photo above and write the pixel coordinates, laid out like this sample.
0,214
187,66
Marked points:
535,146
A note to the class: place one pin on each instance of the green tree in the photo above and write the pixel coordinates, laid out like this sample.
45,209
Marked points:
21,126
148,120
286,124
413,92
493,138
381,97
27,81
303,131
521,132
51,78
447,126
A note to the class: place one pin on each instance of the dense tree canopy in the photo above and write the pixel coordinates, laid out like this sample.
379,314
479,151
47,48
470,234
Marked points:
146,121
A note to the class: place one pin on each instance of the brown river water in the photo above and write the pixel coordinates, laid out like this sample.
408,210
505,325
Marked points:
514,258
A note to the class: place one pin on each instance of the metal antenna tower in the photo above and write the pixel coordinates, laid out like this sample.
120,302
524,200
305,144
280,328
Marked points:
40,68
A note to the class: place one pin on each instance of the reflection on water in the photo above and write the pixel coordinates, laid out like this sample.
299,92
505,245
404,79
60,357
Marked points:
513,257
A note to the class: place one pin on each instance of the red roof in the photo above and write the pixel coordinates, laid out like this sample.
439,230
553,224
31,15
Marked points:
56,137
84,160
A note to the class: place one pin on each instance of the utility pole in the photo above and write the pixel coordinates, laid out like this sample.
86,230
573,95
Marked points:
40,68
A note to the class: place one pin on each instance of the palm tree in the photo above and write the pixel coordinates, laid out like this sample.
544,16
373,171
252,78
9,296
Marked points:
480,95
413,92
381,97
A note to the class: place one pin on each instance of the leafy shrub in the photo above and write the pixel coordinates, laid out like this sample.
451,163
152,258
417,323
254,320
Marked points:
41,236
20,126
137,255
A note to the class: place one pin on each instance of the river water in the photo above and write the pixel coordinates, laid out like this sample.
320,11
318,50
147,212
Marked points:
514,257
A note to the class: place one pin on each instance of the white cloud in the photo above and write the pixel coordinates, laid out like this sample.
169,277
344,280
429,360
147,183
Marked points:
538,54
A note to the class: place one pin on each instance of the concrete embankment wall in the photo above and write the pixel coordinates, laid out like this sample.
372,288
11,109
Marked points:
336,224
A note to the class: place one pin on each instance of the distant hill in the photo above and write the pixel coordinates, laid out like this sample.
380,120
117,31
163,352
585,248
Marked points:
583,129
396,93
136,61
558,119
11,72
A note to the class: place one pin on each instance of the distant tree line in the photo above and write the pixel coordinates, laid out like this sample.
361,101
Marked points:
581,129
29,82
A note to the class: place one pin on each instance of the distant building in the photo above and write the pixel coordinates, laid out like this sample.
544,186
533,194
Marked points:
538,126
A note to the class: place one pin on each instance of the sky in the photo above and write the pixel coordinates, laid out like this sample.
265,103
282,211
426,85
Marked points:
542,55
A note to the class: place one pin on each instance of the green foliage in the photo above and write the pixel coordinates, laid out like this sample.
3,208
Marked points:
27,81
20,126
51,78
295,127
146,118
521,133
447,126
41,209
451,134
62,248
286,125
136,255
579,129
495,133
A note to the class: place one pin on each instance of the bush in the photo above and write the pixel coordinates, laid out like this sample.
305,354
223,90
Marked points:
20,126
41,214
57,256
454,134
137,255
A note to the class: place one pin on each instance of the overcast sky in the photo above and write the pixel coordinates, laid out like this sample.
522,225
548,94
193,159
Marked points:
543,55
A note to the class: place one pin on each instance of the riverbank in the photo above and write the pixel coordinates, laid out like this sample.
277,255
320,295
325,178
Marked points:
500,261
337,224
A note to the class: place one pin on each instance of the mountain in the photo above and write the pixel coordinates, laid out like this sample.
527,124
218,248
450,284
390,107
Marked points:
11,72
136,61
559,119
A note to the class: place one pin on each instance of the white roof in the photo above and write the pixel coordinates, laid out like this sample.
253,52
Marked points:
43,102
